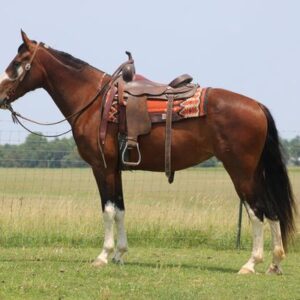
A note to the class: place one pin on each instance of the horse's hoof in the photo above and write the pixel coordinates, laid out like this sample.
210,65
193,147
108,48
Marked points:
274,270
118,261
98,263
245,271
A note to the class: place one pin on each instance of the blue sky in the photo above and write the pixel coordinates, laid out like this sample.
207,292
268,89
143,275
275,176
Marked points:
250,47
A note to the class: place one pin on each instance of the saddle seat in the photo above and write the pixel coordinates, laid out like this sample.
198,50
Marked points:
180,87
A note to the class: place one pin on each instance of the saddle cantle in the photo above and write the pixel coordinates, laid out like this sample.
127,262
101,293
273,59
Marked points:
136,102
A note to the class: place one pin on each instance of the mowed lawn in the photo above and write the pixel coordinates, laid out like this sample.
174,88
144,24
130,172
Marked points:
181,239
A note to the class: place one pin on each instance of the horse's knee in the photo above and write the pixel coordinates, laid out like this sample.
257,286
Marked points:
109,212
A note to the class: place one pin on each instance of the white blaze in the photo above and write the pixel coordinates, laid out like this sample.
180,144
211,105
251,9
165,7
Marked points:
4,77
20,71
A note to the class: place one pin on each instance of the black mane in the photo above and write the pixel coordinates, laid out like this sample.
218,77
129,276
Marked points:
68,59
65,58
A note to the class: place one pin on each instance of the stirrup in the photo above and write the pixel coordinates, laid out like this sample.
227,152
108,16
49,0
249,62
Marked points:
131,163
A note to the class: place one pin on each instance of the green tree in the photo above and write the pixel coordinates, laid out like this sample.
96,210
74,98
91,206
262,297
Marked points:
285,149
73,160
57,150
33,151
294,150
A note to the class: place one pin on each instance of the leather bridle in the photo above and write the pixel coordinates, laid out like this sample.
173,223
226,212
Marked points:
102,90
26,66
16,116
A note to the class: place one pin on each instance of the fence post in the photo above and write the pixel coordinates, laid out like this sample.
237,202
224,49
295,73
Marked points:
239,226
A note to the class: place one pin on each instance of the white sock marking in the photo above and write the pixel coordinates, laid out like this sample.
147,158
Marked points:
108,217
278,251
121,235
258,240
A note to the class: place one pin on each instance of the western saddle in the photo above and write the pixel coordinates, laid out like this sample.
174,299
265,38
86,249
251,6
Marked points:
132,92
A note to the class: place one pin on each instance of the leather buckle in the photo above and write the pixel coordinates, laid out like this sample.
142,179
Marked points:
27,67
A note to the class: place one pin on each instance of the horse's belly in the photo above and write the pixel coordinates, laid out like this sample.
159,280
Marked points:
190,146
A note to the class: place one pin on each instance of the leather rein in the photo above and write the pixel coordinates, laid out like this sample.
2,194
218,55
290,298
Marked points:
17,116
103,90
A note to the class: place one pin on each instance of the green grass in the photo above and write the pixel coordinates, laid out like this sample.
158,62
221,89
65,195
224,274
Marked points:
181,239
149,273
61,207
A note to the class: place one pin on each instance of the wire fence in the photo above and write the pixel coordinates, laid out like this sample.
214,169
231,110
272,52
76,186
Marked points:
27,161
44,180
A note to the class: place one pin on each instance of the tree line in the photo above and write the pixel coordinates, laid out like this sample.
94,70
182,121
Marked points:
39,152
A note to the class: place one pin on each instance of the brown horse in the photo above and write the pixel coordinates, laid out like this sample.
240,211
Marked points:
239,131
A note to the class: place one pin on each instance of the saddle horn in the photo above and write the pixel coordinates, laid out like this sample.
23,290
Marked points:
128,70
129,55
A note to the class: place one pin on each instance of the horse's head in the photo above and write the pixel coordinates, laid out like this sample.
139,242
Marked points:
23,74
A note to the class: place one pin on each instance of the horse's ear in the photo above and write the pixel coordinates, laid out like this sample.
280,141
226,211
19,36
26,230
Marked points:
26,40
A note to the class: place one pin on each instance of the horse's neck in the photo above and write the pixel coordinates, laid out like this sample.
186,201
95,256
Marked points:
70,89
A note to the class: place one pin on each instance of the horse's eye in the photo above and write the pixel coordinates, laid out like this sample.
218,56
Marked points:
16,64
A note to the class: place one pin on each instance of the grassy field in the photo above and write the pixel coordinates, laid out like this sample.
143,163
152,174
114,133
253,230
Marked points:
181,238
150,273
40,207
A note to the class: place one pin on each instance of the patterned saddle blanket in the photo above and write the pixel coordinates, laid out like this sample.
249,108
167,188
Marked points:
195,106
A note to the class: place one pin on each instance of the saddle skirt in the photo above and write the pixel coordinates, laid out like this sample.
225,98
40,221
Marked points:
193,107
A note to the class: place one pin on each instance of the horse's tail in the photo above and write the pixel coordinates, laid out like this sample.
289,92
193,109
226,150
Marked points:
277,194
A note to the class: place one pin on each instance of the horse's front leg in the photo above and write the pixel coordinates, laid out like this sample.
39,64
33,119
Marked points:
110,188
122,246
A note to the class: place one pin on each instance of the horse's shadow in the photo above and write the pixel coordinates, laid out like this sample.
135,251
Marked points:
200,267
145,265
38,260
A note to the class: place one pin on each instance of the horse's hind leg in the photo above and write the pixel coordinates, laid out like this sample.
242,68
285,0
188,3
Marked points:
258,243
278,250
249,190
244,181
